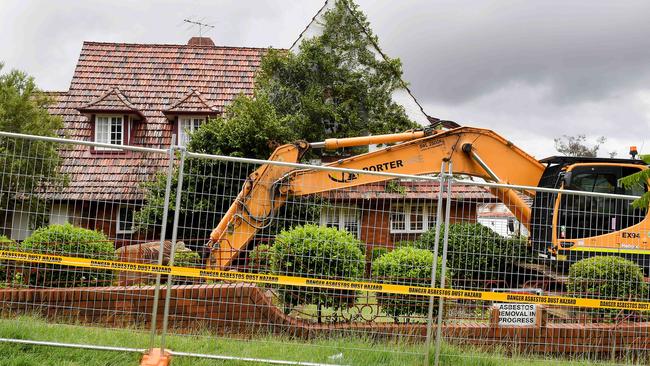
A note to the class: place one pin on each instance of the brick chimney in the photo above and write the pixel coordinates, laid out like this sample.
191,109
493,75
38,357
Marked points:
200,41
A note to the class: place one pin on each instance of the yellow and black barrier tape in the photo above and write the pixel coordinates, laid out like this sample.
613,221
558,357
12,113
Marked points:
323,283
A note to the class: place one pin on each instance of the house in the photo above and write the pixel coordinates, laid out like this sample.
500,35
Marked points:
137,95
382,214
141,95
498,217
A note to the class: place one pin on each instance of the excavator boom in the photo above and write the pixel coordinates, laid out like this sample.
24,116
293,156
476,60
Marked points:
473,151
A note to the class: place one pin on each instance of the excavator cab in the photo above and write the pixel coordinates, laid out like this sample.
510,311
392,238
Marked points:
569,227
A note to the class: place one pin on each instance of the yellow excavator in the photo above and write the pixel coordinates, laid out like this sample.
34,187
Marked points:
563,227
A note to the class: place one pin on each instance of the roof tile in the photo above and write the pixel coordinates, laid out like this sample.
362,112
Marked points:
153,79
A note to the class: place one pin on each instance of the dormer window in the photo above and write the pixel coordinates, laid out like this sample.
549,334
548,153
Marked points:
188,113
112,117
186,126
109,130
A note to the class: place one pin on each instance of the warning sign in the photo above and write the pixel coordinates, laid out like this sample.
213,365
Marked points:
517,315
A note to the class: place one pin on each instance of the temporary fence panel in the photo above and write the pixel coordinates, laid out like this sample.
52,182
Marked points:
78,199
269,259
295,222
490,249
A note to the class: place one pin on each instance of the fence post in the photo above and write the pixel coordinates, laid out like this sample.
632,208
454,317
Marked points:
443,269
177,209
163,232
435,262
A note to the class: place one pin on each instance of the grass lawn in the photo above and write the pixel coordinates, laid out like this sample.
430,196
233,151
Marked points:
345,351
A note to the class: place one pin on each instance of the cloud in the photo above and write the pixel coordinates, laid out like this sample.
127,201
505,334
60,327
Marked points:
44,38
522,114
531,71
461,50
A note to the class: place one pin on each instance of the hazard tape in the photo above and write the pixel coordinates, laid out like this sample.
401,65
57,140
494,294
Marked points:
323,283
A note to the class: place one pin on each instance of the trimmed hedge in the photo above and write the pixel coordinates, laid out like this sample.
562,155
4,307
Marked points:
607,277
316,251
72,241
406,266
7,267
259,259
476,251
187,258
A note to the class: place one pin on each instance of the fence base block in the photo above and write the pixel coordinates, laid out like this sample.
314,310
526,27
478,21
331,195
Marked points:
156,357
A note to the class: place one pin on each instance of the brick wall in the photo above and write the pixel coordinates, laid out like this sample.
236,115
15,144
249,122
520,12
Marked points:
246,309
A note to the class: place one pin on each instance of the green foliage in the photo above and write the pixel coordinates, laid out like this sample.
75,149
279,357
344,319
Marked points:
607,277
6,267
320,252
476,251
72,241
406,265
335,86
259,259
249,128
187,258
377,252
394,186
26,165
639,180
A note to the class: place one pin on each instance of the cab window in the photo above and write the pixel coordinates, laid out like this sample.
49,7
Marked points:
589,182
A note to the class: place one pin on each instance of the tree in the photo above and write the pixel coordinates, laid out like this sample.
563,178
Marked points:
333,87
336,85
639,180
27,165
249,128
575,146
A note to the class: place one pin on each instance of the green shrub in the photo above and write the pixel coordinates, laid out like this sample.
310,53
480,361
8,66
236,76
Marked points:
407,266
321,252
71,241
7,268
259,259
607,277
187,258
377,252
476,251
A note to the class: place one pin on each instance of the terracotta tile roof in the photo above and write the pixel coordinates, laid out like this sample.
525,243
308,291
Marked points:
149,78
111,101
425,190
192,102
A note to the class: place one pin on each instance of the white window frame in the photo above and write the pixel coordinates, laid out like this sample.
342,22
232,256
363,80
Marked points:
428,211
187,125
341,214
118,220
105,138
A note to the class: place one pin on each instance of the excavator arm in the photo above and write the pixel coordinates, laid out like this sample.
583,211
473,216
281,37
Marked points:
473,151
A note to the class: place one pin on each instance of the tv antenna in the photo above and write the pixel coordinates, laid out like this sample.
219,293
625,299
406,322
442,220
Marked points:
199,24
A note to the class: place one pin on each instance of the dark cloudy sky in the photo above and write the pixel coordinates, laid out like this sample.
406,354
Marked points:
529,70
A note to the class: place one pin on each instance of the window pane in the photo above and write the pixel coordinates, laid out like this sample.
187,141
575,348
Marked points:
583,182
196,123
417,218
109,130
351,222
187,125
397,219
330,218
125,219
101,129
116,131
431,217
605,183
